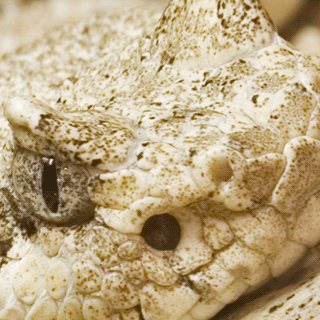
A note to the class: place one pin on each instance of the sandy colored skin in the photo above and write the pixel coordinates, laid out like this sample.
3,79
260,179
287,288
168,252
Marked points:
203,114
22,21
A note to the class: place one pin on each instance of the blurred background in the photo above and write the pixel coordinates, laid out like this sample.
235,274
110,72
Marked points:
21,21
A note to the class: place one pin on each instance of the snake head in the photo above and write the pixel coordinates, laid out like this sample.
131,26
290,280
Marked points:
164,179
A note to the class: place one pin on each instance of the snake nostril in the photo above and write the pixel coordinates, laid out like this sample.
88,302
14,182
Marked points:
162,232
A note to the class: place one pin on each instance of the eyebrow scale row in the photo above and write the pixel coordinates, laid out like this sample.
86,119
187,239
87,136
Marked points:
159,166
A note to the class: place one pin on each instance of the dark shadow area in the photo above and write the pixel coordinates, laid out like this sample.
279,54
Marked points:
303,271
307,15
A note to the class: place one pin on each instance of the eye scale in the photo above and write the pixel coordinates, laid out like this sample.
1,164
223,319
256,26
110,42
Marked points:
50,190
171,175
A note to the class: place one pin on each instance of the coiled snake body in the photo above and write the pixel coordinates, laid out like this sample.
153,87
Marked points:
155,172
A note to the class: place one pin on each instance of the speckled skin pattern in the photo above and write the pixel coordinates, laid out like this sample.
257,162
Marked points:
206,116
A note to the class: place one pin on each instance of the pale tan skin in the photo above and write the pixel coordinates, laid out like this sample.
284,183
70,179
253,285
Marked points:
220,133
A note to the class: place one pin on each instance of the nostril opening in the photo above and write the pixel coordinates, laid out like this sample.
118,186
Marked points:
222,171
162,232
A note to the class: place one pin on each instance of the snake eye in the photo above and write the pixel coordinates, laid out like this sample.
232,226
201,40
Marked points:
53,190
162,232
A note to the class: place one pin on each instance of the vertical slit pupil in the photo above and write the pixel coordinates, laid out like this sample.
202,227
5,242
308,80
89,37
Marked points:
50,190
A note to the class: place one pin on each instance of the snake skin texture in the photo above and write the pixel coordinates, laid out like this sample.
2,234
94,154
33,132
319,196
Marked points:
157,166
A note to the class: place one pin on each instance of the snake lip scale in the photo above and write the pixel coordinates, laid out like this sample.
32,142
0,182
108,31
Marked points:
156,166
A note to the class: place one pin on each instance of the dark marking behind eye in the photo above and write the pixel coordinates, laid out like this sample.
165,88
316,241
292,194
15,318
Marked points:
96,162
162,232
209,81
28,226
5,246
171,60
160,68
50,191
192,152
255,98
43,122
